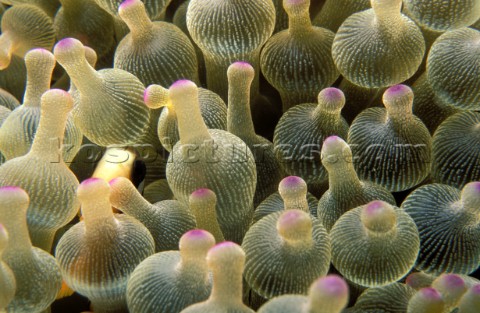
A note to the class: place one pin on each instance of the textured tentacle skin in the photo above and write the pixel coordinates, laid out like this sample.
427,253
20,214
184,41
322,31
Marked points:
327,294
358,99
452,287
155,52
330,17
8,283
180,20
453,68
275,203
8,100
17,136
97,255
212,108
443,15
171,281
301,131
379,47
37,274
230,31
419,280
226,261
109,107
470,301
213,159
50,7
281,17
298,61
4,113
24,27
393,298
12,78
155,8
203,205
286,251
87,22
444,214
43,174
158,191
375,244
391,146
430,108
167,221
456,150
426,300
345,190
239,122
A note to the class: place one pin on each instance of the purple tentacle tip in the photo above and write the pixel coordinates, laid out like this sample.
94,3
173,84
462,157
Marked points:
40,50
475,186
374,207
332,285
145,94
196,233
397,90
10,188
475,289
66,43
202,193
453,281
332,94
127,3
332,140
290,215
91,181
113,181
431,293
292,181
295,2
223,245
242,64
181,83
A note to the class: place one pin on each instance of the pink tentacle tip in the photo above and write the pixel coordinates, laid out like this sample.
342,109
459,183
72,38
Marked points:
66,43
398,90
431,293
453,281
91,181
243,65
291,219
476,186
223,245
11,189
374,207
146,94
202,192
332,285
295,2
333,94
332,140
476,289
40,50
412,279
127,3
196,233
292,181
114,181
182,83
58,92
